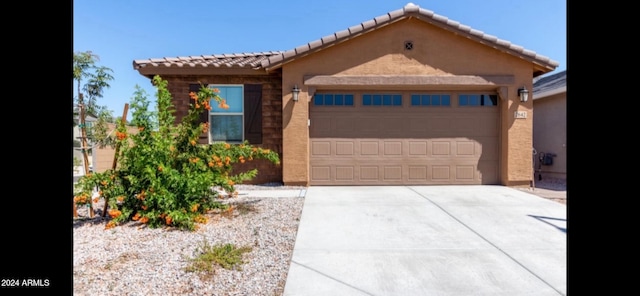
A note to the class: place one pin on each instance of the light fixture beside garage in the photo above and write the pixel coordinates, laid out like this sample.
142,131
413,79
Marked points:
523,93
296,93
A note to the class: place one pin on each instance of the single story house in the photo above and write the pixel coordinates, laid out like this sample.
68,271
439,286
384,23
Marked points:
550,125
408,97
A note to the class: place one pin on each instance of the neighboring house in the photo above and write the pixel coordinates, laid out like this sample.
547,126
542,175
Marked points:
408,97
550,125
77,142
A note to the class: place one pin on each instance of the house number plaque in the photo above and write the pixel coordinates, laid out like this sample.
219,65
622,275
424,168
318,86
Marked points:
521,114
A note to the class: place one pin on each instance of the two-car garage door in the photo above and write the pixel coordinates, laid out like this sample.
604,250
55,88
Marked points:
403,138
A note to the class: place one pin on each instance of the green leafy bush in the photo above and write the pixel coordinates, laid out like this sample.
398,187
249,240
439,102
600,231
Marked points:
164,177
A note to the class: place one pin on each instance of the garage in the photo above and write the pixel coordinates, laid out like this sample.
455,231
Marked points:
403,138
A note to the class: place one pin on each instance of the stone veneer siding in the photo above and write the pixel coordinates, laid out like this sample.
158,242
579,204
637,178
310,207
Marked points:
178,86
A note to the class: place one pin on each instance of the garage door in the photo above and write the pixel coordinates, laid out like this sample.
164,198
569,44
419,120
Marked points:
403,138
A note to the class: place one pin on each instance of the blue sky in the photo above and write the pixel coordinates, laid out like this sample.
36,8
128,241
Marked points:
120,31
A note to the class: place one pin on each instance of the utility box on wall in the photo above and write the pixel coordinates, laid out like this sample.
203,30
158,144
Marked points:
547,158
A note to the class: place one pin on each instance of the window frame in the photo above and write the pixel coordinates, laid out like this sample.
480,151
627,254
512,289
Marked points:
430,95
211,113
333,94
374,96
481,100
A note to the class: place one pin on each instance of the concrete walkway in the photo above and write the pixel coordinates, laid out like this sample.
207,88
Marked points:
428,240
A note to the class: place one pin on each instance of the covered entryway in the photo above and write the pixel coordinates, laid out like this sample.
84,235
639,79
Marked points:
403,138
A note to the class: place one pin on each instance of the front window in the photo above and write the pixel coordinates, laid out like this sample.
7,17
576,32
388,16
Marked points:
226,125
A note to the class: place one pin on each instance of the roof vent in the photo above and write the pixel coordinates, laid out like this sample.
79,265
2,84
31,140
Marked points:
408,45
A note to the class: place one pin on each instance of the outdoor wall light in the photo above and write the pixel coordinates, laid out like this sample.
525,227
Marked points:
296,93
523,93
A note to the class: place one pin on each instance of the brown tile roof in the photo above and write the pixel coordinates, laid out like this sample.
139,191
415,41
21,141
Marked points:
236,60
275,59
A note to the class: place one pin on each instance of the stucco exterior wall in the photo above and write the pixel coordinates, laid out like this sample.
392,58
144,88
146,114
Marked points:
435,52
550,134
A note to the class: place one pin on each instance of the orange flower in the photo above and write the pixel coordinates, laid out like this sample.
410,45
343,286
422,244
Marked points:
200,219
144,220
193,96
227,145
141,128
223,105
114,213
195,207
215,90
121,135
109,225
160,168
168,220
141,195
144,208
80,199
241,158
103,183
136,217
95,200
193,142
230,182
211,164
120,198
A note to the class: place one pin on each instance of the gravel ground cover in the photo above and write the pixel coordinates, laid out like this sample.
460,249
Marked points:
132,259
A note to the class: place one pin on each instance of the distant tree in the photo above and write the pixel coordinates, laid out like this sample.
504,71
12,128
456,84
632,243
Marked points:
91,80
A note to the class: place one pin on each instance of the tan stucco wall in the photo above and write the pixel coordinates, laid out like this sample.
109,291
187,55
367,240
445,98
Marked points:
517,141
435,52
550,134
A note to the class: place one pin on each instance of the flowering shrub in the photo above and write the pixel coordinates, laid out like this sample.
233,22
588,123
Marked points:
164,177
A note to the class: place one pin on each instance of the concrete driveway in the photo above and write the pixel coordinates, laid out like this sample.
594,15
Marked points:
429,240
